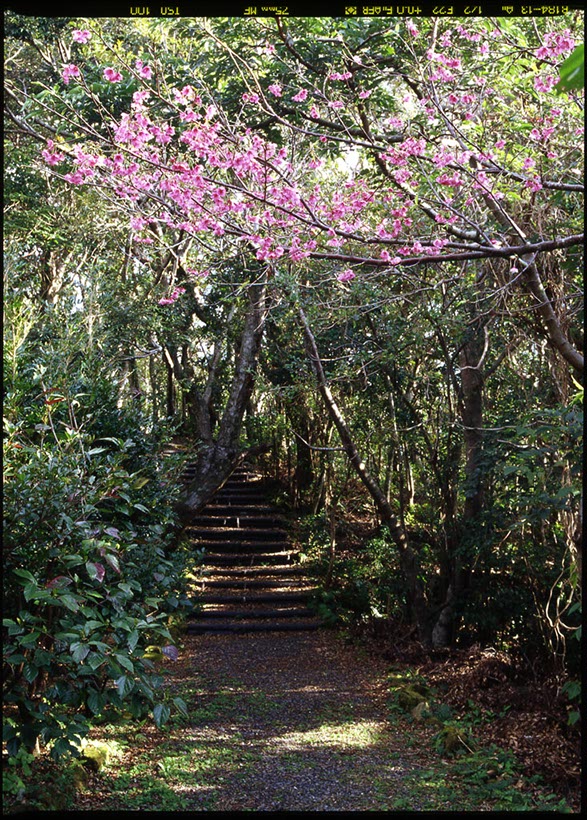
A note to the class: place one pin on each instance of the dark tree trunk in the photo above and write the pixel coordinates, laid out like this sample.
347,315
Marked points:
470,404
551,324
170,388
408,559
218,457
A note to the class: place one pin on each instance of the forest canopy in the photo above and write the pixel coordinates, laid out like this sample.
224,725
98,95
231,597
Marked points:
354,243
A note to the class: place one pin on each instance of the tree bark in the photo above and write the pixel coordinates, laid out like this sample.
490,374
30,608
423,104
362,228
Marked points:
470,403
218,458
408,559
554,331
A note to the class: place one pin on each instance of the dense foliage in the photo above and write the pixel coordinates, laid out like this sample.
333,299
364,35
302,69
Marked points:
398,209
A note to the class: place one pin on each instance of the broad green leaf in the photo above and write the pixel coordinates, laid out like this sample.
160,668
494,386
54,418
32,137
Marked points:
95,659
124,685
30,672
124,661
33,592
181,706
572,71
103,647
31,638
96,702
161,713
133,639
72,560
23,573
79,651
89,626
113,562
69,602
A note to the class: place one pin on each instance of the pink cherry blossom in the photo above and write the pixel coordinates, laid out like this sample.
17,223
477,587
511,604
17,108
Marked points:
112,75
187,94
137,223
300,96
68,72
76,178
346,275
51,157
139,97
363,95
145,71
545,83
533,184
275,89
453,181
81,36
556,44
414,31
176,293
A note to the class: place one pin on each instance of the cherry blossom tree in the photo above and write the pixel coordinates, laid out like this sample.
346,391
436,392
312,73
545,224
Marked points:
402,154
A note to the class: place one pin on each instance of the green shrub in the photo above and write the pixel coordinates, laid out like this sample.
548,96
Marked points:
87,587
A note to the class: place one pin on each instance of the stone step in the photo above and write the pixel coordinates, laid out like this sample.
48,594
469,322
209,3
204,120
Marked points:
248,494
217,508
254,626
249,559
247,522
248,583
248,578
254,572
235,534
254,614
257,598
241,545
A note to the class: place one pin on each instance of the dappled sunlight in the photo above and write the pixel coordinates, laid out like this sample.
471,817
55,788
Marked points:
358,735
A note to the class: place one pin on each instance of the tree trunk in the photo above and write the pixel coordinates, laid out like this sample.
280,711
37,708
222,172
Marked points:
218,458
408,559
554,332
471,410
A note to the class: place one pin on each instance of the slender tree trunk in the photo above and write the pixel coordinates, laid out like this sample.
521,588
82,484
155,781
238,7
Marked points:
218,458
408,559
554,331
154,390
170,388
471,410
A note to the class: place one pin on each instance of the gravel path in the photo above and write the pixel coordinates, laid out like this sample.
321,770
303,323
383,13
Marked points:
301,722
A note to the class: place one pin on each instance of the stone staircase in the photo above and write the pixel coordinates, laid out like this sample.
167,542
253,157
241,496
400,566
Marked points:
250,579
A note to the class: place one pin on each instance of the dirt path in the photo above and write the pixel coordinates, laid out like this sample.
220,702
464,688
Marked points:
303,724
296,721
